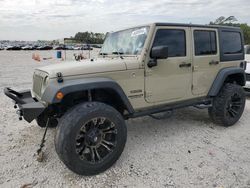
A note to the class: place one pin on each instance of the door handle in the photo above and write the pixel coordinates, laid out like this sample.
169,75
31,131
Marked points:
185,65
213,62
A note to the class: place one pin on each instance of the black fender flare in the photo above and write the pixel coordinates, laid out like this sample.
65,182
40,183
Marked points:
221,78
70,86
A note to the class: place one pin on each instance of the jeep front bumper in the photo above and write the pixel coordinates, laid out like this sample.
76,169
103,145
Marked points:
29,108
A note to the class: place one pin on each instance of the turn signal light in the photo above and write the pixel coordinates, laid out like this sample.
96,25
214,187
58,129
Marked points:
59,95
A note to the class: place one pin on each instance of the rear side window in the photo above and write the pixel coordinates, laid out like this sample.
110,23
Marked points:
205,43
231,42
173,38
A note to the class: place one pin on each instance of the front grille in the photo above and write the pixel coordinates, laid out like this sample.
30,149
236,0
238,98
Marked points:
248,77
38,79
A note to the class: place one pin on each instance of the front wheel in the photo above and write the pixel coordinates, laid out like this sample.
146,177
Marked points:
90,138
228,106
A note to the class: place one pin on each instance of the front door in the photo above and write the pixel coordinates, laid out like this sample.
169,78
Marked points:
171,79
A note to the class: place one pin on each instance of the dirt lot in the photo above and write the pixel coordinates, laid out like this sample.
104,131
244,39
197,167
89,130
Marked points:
185,150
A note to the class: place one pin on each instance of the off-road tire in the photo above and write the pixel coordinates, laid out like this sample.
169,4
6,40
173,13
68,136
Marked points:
42,120
74,123
228,106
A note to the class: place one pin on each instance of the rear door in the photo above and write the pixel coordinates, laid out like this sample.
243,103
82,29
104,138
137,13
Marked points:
171,79
206,59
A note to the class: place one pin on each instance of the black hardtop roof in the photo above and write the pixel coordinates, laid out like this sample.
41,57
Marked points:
196,25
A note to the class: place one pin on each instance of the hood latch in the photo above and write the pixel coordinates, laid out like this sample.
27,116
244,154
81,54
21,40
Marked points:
59,77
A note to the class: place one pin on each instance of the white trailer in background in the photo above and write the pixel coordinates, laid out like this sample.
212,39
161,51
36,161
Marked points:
247,58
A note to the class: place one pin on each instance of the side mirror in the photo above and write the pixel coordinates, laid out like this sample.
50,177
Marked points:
159,52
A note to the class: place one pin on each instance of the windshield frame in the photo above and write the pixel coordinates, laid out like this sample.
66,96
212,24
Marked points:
124,54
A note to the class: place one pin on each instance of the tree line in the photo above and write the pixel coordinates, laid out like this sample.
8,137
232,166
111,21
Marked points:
98,38
232,21
89,37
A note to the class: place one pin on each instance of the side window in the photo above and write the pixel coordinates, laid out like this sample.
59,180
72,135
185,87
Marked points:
231,42
205,42
173,38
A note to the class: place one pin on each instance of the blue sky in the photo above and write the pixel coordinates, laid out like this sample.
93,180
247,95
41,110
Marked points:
53,19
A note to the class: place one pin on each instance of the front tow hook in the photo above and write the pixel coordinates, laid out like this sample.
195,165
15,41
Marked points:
20,114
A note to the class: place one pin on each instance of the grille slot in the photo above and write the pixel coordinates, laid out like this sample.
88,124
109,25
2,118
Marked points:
37,83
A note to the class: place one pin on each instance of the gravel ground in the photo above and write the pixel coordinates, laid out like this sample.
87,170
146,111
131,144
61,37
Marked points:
184,150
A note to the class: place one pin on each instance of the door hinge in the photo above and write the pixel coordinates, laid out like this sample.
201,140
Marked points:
195,68
148,94
148,72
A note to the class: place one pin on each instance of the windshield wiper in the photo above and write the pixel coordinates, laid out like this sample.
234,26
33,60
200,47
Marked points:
117,53
102,53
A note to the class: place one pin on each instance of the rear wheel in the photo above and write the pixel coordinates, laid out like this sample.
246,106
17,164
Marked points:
90,138
228,106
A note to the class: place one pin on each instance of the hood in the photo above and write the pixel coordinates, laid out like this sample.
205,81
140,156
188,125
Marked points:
99,65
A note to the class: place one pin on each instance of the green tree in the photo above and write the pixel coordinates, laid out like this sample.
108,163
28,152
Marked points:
232,21
90,37
224,21
246,31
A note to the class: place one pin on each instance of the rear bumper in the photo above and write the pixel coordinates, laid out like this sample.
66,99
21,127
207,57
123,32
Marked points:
29,108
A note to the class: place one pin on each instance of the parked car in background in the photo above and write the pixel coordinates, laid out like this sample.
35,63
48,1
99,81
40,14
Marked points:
77,48
13,48
69,47
96,45
60,47
247,59
247,49
44,48
28,47
87,47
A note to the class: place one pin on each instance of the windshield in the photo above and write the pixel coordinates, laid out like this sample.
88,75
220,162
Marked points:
128,42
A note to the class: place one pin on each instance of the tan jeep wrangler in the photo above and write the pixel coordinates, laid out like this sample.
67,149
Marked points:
140,71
